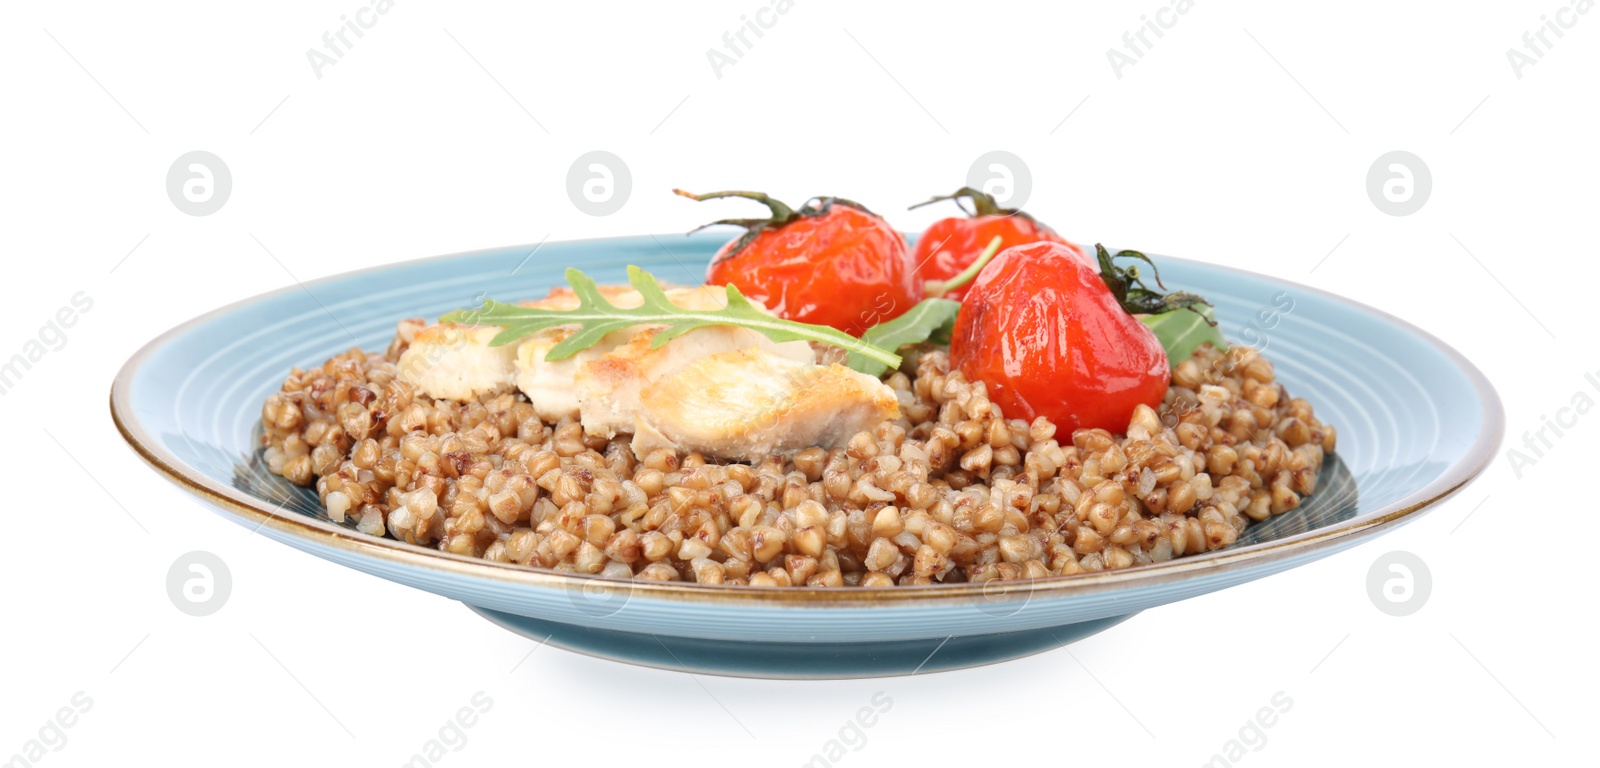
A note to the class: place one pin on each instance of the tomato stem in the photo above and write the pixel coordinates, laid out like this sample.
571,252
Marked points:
937,288
983,203
781,213
1127,286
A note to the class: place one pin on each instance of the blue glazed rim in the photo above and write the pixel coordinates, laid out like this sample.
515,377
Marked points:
321,533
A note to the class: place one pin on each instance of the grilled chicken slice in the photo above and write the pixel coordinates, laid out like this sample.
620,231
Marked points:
600,385
455,362
750,403
723,391
607,388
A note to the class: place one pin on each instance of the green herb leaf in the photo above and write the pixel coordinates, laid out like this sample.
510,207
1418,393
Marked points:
928,319
596,317
942,287
1182,331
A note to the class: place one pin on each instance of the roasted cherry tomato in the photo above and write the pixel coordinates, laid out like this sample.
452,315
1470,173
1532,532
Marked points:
951,245
832,262
1053,337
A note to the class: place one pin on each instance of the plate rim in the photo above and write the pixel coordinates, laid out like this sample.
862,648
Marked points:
259,515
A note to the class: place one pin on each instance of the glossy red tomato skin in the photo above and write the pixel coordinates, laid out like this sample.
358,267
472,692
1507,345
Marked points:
950,245
1045,335
846,268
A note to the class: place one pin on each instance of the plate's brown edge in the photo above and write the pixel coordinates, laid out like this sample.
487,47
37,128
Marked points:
1463,473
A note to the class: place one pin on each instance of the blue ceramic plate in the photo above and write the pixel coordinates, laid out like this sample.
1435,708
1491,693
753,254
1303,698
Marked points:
1416,423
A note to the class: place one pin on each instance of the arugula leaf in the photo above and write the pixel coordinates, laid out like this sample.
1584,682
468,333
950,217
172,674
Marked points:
596,317
942,287
929,318
1182,331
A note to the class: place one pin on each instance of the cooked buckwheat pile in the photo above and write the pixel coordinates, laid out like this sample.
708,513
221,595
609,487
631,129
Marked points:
950,492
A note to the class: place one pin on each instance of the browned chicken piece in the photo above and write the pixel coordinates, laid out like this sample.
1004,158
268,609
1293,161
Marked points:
723,391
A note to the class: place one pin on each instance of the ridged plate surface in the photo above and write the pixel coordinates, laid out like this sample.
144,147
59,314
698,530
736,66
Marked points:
1416,422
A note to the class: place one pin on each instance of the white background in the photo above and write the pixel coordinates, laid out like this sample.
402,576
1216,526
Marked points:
1243,137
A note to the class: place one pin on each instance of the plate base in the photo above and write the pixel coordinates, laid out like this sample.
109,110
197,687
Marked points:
797,661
